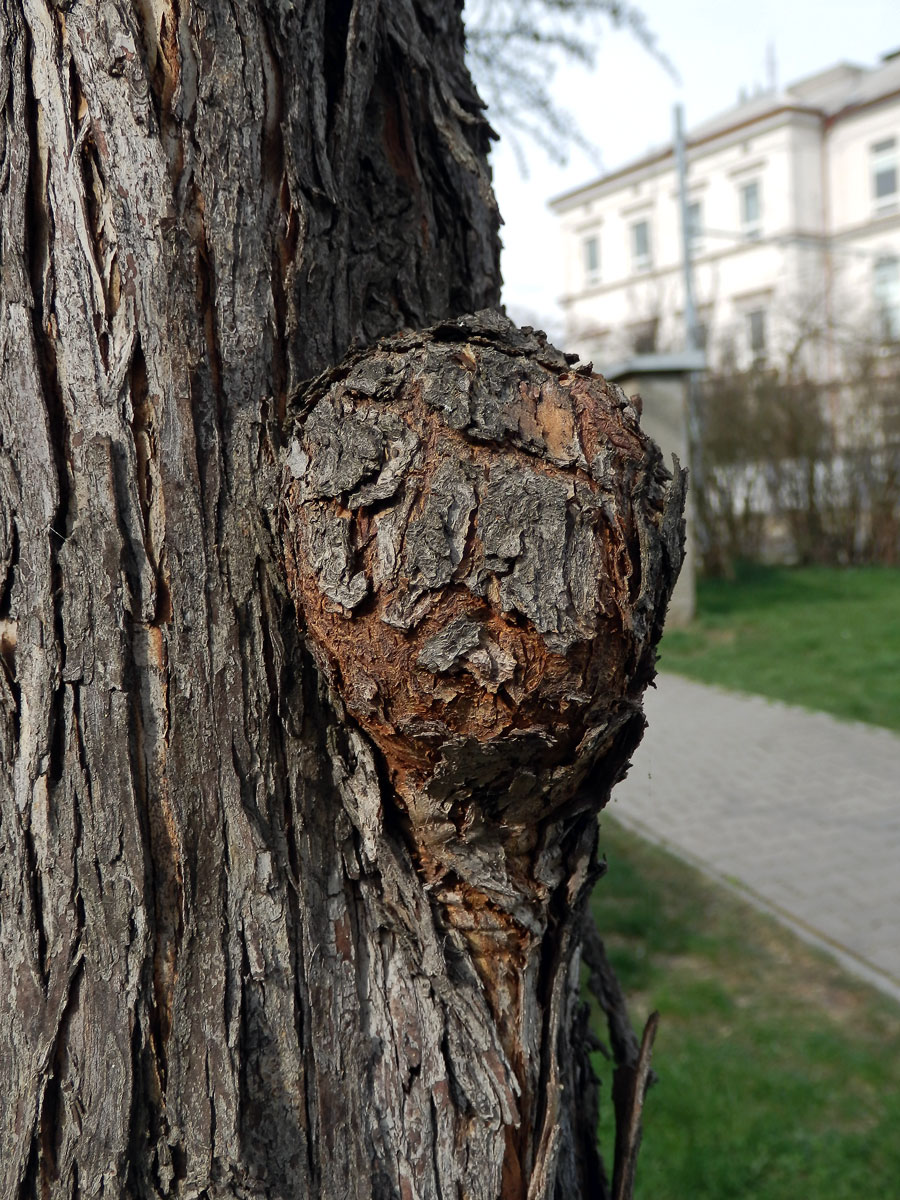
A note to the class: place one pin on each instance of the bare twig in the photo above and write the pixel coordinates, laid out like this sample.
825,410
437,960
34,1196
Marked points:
514,48
632,1075
629,1090
605,987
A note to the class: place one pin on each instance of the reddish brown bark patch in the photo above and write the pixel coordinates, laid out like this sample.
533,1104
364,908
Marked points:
480,542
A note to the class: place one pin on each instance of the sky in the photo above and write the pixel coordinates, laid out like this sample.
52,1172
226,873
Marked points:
624,106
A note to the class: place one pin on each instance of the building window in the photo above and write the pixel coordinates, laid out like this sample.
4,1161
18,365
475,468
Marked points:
751,209
591,252
887,297
756,333
695,225
644,335
884,174
641,257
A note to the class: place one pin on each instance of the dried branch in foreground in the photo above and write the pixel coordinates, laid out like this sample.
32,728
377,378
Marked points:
632,1075
629,1092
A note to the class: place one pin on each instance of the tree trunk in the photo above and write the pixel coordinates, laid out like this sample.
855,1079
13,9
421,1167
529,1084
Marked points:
228,966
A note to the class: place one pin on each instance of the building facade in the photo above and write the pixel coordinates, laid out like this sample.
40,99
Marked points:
794,218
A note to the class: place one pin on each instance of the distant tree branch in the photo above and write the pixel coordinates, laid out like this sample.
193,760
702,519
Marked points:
515,47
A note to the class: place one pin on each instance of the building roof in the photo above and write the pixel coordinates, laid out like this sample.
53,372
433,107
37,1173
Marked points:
830,94
680,362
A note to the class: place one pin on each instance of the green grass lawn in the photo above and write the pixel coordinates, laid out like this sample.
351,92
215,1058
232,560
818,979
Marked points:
821,637
779,1074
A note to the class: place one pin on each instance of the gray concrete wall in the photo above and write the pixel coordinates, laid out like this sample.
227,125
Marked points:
665,419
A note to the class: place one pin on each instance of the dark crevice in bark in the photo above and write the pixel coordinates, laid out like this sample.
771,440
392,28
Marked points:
337,29
163,872
11,564
279,208
50,1125
78,823
179,1163
8,667
206,304
56,765
272,165
142,432
249,1052
132,553
146,1124
270,621
38,236
613,767
8,632
28,1188
208,398
93,187
283,259
36,896
77,99
248,795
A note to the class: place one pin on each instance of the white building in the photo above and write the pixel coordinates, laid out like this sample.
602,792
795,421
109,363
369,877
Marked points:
795,209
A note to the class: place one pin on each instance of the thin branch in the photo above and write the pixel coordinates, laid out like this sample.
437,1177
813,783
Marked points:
515,47
607,991
629,1092
632,1075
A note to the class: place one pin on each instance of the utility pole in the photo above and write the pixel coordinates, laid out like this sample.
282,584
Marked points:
692,339
771,66
692,332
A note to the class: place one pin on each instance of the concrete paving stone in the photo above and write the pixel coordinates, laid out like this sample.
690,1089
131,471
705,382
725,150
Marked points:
796,810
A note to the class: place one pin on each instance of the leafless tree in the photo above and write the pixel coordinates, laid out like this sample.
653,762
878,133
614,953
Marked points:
515,48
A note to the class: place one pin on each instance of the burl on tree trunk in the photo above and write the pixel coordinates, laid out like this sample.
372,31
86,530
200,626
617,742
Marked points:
481,544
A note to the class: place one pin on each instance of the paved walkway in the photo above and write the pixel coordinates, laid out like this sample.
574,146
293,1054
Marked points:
796,810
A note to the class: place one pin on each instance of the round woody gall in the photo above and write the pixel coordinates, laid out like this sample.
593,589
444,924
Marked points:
481,543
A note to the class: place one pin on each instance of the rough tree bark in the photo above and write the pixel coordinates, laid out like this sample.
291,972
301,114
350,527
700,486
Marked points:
261,933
